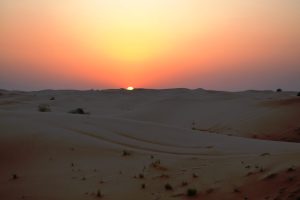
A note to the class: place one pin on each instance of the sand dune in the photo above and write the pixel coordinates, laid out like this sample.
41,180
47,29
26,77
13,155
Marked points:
134,143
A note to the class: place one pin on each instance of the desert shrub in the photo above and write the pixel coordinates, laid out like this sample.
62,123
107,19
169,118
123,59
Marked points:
44,108
184,183
143,186
291,169
168,187
126,153
79,111
236,190
191,192
195,175
249,173
193,125
157,165
265,154
99,194
141,176
279,90
271,176
209,191
15,177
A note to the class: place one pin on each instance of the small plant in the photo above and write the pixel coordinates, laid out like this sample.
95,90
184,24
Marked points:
79,111
157,165
99,194
15,177
126,153
291,169
249,173
298,94
210,190
265,154
195,175
271,176
141,176
236,190
44,108
191,192
184,183
279,90
158,161
193,125
52,98
143,186
168,187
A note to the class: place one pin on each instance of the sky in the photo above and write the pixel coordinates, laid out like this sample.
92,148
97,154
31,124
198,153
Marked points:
96,44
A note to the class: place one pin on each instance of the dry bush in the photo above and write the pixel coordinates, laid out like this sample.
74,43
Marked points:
44,108
168,186
79,111
126,153
191,192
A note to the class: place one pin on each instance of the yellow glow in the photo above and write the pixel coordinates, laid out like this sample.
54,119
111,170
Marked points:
146,43
133,31
130,88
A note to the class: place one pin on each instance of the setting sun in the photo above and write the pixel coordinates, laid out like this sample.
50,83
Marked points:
130,88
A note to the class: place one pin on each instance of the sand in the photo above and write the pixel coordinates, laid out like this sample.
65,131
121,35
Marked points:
149,144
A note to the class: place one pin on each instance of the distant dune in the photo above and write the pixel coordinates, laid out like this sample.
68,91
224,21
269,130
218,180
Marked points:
149,144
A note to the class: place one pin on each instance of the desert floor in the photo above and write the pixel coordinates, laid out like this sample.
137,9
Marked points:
149,144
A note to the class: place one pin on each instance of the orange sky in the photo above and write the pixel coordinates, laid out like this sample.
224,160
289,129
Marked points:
213,44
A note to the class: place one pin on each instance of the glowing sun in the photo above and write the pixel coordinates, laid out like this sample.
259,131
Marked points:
130,88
